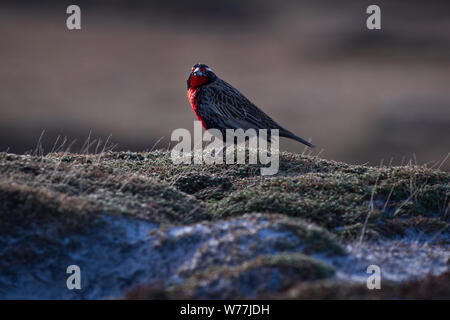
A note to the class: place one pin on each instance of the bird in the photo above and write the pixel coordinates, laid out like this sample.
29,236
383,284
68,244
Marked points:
218,105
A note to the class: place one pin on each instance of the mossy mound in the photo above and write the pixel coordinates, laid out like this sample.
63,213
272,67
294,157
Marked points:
336,196
432,287
235,223
254,278
75,186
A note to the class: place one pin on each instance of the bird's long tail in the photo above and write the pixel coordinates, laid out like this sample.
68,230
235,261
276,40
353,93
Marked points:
292,136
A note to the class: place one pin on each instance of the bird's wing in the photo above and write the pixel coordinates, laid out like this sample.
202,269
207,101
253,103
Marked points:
223,106
231,109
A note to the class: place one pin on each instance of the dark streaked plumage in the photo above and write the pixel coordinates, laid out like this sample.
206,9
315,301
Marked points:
218,105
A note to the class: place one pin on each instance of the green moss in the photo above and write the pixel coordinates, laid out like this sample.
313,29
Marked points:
334,195
431,287
314,239
304,267
270,273
205,187
80,185
318,200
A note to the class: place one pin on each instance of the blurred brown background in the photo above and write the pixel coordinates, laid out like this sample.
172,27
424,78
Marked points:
360,95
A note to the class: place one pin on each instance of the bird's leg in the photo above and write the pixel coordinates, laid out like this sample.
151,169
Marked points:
222,151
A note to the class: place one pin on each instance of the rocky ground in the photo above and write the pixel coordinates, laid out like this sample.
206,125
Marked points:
141,227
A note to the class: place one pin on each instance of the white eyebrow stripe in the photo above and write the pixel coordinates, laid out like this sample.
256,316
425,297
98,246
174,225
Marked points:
198,69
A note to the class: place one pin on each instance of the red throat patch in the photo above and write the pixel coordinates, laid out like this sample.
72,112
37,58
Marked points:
197,81
194,102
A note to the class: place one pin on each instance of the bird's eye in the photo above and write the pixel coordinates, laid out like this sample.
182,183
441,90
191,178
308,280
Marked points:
192,69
